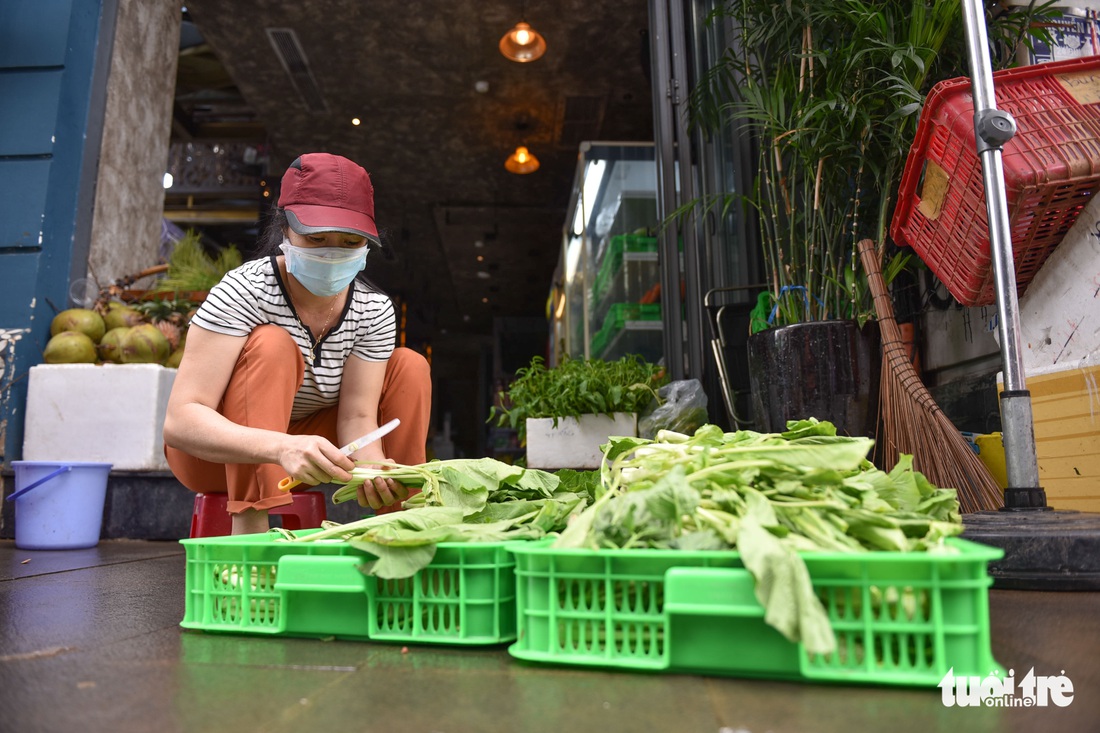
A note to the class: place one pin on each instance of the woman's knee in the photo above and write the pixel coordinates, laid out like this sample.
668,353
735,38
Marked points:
270,365
410,365
271,340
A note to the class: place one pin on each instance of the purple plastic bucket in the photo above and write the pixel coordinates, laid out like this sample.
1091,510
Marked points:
58,505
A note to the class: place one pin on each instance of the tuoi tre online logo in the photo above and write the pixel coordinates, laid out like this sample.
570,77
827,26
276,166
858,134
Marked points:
991,691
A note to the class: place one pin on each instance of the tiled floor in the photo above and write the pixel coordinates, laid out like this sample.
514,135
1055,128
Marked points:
90,642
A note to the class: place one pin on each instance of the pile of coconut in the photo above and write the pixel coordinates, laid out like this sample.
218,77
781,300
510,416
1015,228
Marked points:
118,333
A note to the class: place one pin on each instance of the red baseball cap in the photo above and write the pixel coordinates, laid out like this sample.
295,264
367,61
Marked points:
322,192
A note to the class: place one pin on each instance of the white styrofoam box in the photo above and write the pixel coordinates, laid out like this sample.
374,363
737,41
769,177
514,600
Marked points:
574,443
107,413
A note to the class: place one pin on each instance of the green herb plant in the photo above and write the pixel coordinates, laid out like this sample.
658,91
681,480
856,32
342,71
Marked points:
770,496
577,387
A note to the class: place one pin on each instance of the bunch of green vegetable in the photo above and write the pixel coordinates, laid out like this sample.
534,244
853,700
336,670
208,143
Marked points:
460,500
577,387
770,496
191,269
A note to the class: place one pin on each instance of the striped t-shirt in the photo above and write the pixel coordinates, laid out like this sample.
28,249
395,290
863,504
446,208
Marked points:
253,294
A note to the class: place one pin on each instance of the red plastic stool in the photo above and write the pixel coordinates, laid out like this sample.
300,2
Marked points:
210,517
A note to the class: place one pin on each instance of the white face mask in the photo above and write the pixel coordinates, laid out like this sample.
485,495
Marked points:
324,271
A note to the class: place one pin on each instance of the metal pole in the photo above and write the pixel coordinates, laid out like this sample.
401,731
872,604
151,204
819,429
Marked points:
664,90
993,128
693,290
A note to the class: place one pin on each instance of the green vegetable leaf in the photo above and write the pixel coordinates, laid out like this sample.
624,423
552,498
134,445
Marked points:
464,500
621,444
845,455
877,531
903,491
582,483
458,488
411,527
395,561
805,428
712,435
671,498
783,584
699,541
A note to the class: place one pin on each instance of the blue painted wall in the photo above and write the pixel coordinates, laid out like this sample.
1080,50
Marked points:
54,59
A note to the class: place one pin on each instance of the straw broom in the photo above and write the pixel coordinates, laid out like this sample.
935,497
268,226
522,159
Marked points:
911,421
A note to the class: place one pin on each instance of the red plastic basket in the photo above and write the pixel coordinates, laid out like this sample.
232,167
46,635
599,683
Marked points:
1052,170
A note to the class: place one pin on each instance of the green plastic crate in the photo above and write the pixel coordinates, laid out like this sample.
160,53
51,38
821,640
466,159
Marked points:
899,618
613,258
255,584
617,316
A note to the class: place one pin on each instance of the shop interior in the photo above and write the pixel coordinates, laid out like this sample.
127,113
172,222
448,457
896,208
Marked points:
471,248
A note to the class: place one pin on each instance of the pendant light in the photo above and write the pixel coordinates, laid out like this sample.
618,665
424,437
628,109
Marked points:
521,161
522,43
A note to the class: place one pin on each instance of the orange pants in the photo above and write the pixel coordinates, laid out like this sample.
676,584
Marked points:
261,393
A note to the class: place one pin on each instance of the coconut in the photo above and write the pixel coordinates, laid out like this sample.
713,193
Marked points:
69,347
110,346
82,320
144,344
174,359
119,315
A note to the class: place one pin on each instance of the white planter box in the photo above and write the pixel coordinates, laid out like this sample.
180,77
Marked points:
105,413
574,443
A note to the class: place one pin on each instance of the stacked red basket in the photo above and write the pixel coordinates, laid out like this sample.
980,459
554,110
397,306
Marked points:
1052,171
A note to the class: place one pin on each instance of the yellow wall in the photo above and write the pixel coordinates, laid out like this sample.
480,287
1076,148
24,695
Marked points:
1066,410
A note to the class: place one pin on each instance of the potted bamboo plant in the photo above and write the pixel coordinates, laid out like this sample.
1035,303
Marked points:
830,91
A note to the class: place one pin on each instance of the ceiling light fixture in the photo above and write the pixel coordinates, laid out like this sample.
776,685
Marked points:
521,162
355,121
522,43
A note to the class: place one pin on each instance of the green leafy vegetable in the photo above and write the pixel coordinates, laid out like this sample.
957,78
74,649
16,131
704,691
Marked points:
770,496
782,581
461,500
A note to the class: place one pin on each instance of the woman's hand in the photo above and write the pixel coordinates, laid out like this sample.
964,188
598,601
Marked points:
380,492
314,460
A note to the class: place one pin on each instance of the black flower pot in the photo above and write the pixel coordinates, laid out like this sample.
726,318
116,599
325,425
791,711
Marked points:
824,369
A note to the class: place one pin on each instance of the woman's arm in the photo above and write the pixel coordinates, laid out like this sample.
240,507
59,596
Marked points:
193,425
360,391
